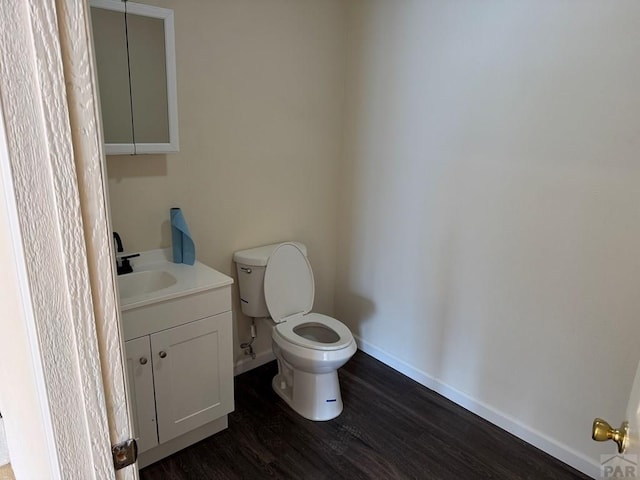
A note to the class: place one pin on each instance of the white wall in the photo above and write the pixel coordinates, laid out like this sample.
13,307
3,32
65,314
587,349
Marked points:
490,220
260,92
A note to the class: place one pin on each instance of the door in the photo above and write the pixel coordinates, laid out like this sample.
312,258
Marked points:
72,406
192,367
140,374
623,461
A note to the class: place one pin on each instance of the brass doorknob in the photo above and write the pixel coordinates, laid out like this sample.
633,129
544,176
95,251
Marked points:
602,432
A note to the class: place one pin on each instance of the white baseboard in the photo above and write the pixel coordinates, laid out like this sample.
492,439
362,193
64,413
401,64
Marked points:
554,448
248,363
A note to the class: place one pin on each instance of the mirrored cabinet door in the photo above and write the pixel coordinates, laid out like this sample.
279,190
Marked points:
135,57
148,79
113,75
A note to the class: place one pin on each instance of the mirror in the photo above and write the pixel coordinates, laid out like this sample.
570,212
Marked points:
135,56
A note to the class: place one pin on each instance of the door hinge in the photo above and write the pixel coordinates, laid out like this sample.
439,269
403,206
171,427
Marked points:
125,453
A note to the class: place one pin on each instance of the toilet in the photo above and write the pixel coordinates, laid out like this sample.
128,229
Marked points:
276,281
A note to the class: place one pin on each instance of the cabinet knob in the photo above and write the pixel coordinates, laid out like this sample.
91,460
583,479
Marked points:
143,360
162,354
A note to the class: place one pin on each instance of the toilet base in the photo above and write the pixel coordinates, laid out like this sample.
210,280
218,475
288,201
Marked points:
315,396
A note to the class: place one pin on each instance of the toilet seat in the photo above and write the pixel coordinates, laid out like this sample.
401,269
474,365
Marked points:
289,292
287,330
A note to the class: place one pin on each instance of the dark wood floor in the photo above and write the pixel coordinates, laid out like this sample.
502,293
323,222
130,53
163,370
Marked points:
391,427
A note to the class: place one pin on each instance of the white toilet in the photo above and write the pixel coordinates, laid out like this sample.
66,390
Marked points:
277,281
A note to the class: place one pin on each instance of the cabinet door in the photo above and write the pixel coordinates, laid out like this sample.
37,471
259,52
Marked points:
110,46
193,372
140,375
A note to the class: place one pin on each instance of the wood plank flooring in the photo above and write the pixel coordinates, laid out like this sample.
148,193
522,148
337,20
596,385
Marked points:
391,428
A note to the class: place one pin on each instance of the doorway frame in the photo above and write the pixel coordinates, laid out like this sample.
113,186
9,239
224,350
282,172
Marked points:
53,182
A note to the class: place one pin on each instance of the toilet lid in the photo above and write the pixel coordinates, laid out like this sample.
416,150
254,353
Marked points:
288,283
315,331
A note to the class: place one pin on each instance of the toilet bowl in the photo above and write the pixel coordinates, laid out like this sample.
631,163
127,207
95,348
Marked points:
309,347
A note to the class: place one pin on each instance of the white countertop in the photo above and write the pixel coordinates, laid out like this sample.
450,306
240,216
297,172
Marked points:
190,279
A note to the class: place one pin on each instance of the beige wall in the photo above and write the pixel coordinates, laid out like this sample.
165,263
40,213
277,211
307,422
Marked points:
260,98
491,223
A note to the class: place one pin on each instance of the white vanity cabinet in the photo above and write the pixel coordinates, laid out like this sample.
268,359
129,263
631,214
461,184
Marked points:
180,370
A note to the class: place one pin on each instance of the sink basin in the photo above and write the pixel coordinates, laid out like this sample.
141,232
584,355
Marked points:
142,283
156,278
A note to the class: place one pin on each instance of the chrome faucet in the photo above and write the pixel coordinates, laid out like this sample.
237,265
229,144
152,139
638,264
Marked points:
122,262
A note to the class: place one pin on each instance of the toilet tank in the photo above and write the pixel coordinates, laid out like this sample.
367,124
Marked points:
251,264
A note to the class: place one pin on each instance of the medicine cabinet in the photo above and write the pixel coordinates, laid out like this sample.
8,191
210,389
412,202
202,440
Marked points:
135,57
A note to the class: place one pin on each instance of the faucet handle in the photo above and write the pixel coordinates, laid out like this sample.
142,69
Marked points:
123,265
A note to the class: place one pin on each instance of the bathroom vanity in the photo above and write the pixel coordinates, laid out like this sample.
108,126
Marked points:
177,327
